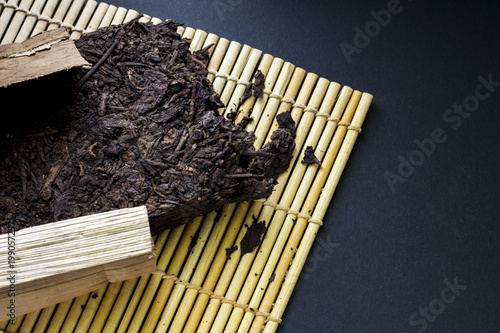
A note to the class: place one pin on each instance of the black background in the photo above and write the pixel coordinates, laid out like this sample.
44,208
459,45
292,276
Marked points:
390,250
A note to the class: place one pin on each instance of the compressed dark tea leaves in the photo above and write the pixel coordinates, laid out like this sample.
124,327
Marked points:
142,128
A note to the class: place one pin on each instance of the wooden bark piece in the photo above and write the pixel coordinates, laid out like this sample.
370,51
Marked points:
44,54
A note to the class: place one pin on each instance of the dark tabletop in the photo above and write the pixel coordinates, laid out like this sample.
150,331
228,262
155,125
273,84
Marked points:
411,240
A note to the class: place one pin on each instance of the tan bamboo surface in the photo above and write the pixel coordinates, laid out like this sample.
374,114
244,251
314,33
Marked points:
198,286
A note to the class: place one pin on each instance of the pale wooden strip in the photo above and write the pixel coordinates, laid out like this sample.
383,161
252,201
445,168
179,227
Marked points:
16,22
233,78
180,30
98,17
3,325
198,39
216,58
44,319
84,19
81,253
119,16
242,83
285,253
6,15
48,10
225,67
319,212
108,17
168,297
29,21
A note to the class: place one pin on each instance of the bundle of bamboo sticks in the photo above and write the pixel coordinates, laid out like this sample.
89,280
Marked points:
199,285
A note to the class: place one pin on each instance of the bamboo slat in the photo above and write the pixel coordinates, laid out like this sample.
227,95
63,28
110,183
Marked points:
198,285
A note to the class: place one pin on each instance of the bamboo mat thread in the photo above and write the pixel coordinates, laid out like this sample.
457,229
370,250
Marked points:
197,285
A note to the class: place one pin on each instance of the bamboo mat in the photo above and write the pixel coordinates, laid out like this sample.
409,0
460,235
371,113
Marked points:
197,287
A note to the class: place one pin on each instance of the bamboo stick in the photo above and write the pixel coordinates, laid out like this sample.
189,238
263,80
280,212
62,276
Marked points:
124,299
216,58
59,315
7,13
29,22
177,253
132,290
82,323
29,321
97,17
104,308
16,327
204,264
216,268
84,19
108,17
175,293
16,22
277,219
119,16
211,39
70,16
287,101
234,77
131,14
269,81
44,319
74,313
198,39
188,33
143,296
275,98
48,10
226,66
319,212
246,108
298,224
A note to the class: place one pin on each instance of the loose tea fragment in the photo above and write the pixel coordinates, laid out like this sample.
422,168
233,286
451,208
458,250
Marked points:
258,86
253,236
309,157
142,128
